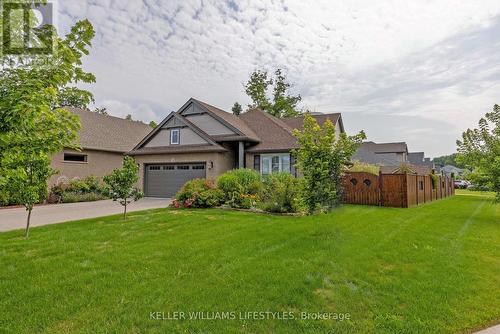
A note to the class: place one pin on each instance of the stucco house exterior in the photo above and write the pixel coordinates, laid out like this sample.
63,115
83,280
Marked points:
104,140
203,141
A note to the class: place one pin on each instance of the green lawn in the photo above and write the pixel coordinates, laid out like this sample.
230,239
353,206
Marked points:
431,269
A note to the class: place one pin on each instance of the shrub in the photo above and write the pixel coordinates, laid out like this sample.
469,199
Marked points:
198,193
71,197
78,190
359,166
240,187
282,193
434,180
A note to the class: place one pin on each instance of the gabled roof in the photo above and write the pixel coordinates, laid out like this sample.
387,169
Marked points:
298,122
274,134
108,133
183,120
228,119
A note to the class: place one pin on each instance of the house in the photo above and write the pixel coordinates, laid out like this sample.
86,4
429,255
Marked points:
384,154
203,141
449,169
104,141
390,157
419,159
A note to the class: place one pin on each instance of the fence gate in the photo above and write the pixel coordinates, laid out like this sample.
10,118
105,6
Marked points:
362,188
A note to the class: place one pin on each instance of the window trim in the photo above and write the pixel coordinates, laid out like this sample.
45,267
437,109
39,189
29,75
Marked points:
178,136
85,158
280,162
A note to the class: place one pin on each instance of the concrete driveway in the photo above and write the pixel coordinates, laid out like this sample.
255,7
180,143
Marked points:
13,219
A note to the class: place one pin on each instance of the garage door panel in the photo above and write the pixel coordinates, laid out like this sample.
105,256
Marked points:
166,180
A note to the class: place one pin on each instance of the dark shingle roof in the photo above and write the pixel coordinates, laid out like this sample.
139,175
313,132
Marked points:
274,134
108,133
298,122
369,157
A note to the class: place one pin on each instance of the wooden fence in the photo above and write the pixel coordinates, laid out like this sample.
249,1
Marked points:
394,190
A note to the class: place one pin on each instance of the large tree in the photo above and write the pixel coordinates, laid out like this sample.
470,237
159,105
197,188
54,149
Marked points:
322,158
33,124
479,150
272,94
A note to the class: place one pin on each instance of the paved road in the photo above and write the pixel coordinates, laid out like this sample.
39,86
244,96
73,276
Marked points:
13,219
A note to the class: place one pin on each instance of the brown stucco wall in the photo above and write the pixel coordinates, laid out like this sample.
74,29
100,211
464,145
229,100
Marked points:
99,163
222,162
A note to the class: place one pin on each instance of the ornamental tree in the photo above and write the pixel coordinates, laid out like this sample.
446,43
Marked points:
322,159
33,126
479,150
121,183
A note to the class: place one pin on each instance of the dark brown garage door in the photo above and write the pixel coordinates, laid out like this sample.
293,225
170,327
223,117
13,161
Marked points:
165,180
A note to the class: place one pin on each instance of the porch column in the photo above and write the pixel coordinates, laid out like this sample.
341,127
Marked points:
241,155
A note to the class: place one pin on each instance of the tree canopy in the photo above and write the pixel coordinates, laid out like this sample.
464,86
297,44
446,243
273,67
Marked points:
33,124
272,94
479,150
322,158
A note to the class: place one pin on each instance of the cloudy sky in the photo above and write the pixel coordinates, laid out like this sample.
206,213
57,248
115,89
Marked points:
415,71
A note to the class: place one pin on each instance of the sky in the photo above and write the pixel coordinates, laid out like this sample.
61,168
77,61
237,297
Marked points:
415,71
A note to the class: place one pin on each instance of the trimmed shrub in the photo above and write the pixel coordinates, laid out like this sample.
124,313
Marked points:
282,194
241,187
198,193
71,197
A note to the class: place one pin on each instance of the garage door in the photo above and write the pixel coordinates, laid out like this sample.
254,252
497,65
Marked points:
165,180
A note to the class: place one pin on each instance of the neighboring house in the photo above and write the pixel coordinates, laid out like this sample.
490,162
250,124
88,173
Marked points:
449,169
104,141
385,154
419,159
202,141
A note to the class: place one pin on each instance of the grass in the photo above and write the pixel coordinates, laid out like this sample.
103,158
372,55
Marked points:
474,193
430,269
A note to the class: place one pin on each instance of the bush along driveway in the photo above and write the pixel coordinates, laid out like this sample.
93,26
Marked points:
429,269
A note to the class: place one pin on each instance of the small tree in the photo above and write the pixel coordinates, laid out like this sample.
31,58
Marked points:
153,124
322,159
479,149
129,117
26,177
121,184
236,109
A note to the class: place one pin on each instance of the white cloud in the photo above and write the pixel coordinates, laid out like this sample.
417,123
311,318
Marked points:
380,57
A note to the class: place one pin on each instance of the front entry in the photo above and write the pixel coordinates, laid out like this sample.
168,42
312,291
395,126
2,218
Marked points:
164,180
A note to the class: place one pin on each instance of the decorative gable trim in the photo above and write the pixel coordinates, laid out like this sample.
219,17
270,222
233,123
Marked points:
179,121
184,110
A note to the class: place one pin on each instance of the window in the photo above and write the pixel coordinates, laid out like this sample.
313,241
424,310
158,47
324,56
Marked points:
274,163
73,157
154,167
174,136
199,167
183,167
168,167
